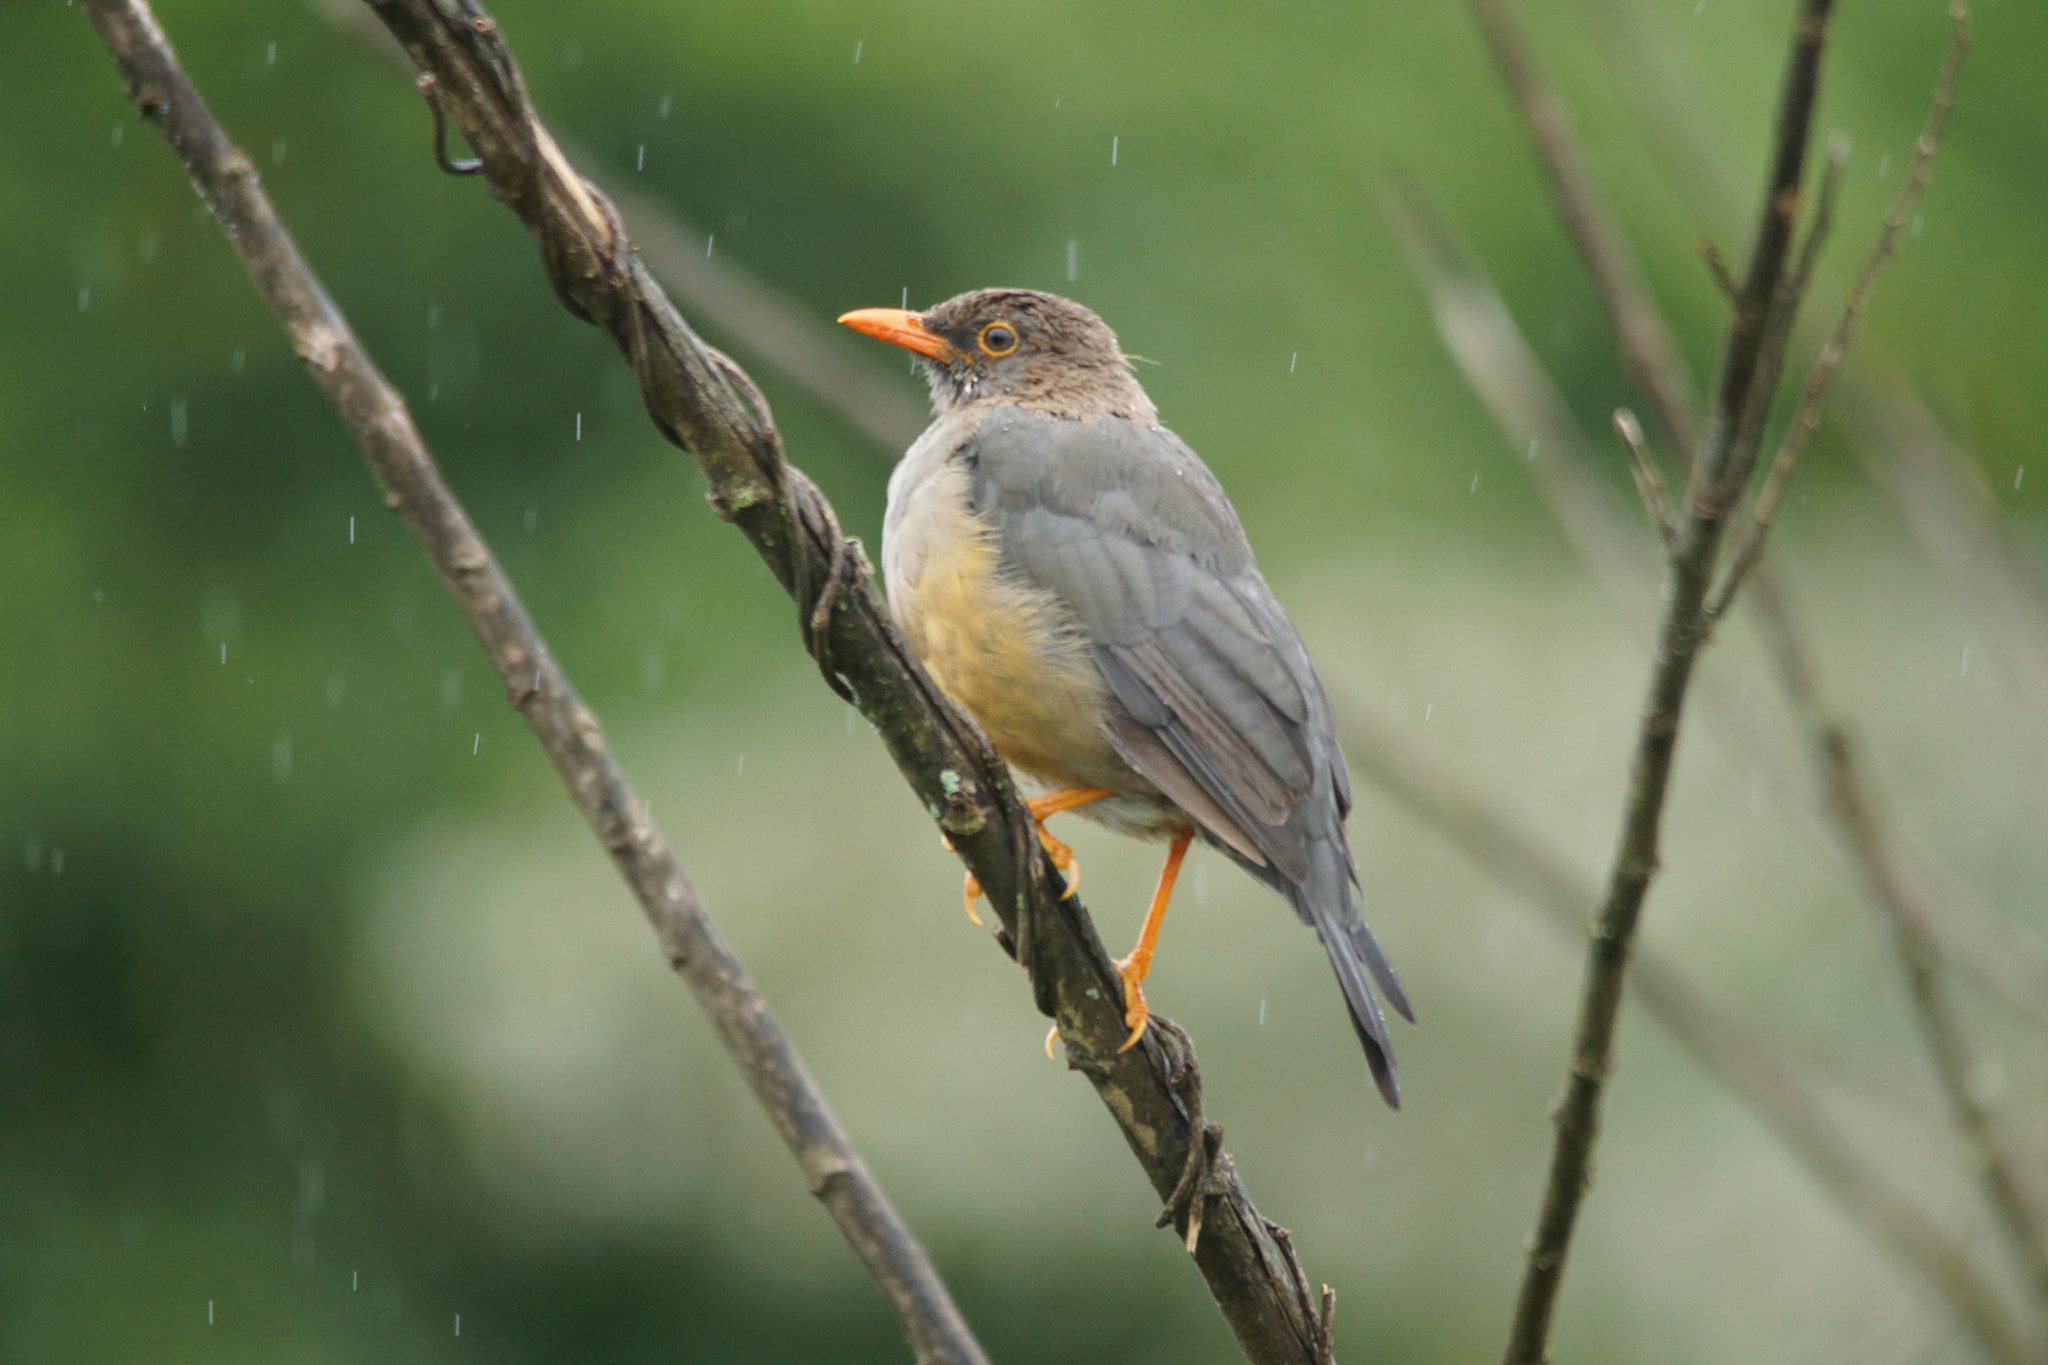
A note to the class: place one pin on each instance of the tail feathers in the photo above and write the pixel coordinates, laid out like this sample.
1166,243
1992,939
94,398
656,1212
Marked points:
1330,902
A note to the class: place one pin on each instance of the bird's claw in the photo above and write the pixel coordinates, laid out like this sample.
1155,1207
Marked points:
1136,1012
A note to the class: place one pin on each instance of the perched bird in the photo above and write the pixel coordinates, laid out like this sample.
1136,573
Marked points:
1073,575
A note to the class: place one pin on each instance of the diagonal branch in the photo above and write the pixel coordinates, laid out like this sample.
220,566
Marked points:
1768,1082
704,403
1920,952
1721,471
536,685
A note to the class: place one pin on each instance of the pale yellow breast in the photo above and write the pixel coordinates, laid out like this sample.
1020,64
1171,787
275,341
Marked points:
1005,650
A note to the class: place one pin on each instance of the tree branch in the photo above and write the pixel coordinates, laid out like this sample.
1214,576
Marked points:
1911,921
1767,1082
1821,377
376,414
1721,471
704,403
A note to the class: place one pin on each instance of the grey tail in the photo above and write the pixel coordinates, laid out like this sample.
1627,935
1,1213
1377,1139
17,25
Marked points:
1329,901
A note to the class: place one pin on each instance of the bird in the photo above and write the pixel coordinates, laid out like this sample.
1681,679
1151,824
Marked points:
1070,572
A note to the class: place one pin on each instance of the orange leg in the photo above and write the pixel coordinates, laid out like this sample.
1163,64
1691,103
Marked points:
1134,968
1062,857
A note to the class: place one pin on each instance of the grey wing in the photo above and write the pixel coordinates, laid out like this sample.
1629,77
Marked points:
1216,700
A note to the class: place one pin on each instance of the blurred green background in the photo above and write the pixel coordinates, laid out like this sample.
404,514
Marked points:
325,1027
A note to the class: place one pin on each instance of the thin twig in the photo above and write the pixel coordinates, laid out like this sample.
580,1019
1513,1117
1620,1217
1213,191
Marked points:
1649,483
707,405
1768,1083
1911,921
1717,270
1724,464
1503,369
1821,377
536,685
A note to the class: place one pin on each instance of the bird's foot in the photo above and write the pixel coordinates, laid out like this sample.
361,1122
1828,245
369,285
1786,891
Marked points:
972,889
1043,808
1136,1012
1062,858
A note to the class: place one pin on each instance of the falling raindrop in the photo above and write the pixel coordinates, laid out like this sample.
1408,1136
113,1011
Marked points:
1475,485
458,1324
707,244
906,297
178,421
2017,475
1073,259
1426,710
1290,361
1112,150
1534,446
270,55
433,316
664,107
1884,165
476,744
532,519
209,1312
223,652
579,426
856,54
741,771
640,158
238,359
84,298
281,757
1966,661
351,530
1262,1011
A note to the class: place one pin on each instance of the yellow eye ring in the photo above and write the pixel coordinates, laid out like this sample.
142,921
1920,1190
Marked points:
998,339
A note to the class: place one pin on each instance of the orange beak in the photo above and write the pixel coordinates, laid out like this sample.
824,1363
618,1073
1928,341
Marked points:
902,328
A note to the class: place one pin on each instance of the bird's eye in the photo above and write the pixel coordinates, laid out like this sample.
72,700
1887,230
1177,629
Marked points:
998,339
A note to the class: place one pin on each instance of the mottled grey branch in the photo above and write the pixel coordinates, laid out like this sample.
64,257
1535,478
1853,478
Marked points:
704,403
377,416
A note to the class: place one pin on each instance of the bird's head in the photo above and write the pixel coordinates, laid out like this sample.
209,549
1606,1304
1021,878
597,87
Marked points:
1015,346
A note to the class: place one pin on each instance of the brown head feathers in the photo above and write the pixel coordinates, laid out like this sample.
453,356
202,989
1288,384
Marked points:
1039,351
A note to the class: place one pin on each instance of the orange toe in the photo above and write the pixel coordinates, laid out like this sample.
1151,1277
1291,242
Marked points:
973,893
1136,1012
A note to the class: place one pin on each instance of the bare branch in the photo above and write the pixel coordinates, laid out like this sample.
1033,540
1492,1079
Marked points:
1768,1083
1649,482
704,403
1911,920
535,684
1743,394
1821,377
